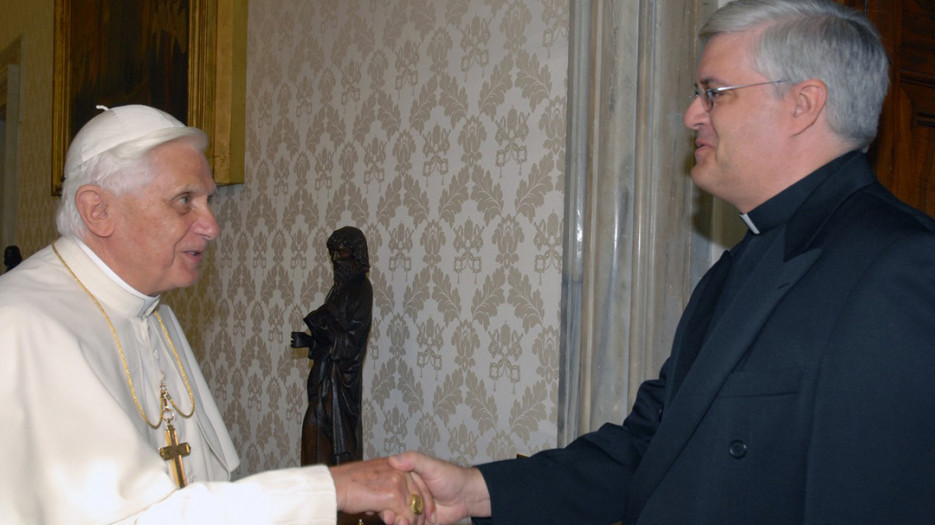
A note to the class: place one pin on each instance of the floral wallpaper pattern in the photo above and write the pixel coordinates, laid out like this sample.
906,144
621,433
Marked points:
437,128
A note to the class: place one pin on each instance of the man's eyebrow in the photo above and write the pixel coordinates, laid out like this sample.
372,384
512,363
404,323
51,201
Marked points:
708,81
193,190
183,190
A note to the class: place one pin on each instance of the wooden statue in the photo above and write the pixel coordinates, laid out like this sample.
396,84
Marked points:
337,343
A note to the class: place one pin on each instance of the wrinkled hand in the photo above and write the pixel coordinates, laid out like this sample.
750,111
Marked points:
458,492
374,487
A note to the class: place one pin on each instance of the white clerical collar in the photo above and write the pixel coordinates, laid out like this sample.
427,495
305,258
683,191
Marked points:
746,219
113,276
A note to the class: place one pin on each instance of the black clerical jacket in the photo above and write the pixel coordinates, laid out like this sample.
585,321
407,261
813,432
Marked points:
811,399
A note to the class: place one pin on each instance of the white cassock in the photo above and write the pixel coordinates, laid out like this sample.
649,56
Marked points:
75,448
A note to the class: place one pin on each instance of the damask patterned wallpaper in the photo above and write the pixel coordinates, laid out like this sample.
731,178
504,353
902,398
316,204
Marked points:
438,128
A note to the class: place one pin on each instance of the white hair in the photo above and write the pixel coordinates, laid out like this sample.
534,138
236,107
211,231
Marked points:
121,169
817,39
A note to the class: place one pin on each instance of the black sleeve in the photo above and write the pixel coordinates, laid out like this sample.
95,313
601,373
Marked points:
585,482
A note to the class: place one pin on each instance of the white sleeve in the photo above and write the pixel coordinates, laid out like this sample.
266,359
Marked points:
298,495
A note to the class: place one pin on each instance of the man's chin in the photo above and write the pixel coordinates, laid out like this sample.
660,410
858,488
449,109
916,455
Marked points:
190,279
698,174
704,178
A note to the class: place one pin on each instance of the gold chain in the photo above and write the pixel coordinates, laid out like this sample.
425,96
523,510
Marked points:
123,357
191,395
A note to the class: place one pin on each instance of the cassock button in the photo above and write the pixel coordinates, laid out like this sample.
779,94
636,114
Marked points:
738,449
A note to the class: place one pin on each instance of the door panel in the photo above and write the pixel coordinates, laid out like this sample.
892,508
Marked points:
904,152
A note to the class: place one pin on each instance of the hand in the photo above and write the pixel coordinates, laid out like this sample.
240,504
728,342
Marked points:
300,340
374,487
458,492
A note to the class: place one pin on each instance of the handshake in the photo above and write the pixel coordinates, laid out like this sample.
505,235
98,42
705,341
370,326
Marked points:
411,489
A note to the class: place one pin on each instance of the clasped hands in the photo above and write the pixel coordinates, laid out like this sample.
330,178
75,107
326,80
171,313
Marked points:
411,489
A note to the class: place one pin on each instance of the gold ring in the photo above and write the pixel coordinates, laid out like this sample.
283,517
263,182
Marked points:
416,505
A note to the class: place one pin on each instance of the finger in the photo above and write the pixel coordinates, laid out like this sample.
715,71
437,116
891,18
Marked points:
428,500
426,505
402,462
388,517
415,500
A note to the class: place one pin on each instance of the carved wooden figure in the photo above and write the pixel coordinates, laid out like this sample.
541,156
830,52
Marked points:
337,343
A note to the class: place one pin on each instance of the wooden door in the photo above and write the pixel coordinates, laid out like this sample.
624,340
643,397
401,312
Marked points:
904,152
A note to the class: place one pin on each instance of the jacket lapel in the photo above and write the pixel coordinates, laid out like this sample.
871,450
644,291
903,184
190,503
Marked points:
696,320
726,344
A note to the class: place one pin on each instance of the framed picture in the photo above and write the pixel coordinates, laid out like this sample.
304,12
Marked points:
185,57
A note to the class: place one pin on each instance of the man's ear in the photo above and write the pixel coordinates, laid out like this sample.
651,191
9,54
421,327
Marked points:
93,206
810,97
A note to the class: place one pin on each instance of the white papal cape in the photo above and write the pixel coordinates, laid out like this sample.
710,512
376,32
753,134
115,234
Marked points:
75,448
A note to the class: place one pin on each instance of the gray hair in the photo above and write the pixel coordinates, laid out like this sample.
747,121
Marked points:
819,39
122,169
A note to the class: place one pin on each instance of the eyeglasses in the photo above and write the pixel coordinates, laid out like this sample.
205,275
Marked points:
710,95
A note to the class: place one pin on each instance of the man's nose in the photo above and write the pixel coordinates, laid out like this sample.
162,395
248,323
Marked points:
207,225
695,114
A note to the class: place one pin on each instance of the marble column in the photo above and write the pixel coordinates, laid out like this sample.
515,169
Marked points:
636,229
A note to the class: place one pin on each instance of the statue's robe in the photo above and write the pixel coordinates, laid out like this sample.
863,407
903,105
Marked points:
331,430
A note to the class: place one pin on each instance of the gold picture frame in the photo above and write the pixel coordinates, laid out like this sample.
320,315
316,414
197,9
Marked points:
214,42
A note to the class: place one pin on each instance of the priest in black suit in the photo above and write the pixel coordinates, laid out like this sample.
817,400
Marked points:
801,384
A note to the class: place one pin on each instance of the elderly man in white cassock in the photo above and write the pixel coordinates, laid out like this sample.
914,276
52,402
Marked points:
106,415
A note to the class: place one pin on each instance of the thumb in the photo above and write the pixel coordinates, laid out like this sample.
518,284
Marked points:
402,462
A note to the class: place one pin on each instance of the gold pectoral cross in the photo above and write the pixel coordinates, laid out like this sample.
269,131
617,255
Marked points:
173,451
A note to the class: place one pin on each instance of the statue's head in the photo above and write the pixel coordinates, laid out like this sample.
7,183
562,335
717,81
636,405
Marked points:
347,247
